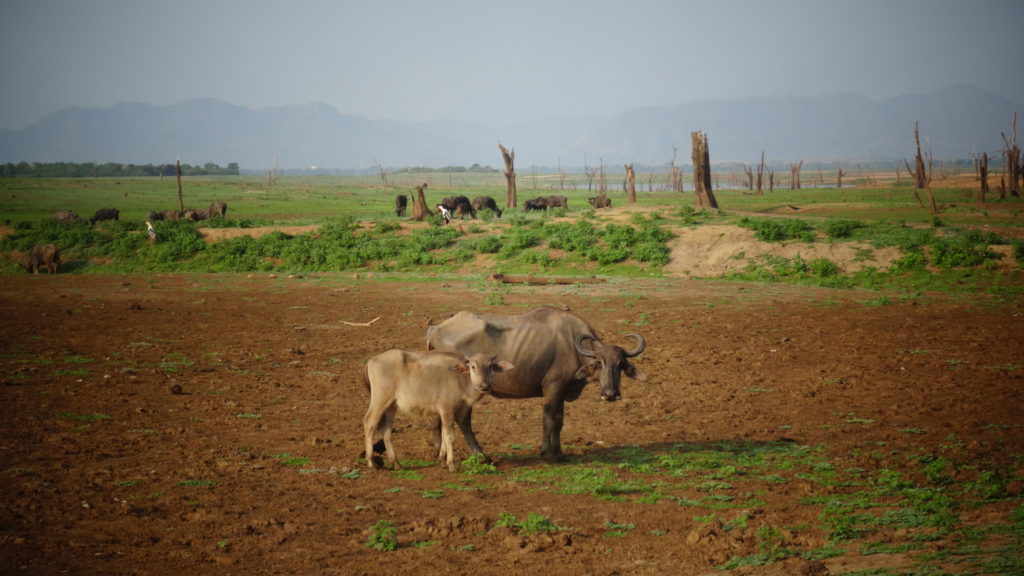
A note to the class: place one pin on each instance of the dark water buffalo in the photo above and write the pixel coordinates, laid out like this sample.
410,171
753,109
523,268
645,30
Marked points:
194,215
105,214
401,202
539,203
459,206
600,201
218,208
424,382
557,202
486,203
65,216
42,256
555,354
164,215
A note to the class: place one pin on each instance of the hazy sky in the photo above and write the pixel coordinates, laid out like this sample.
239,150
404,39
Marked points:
495,62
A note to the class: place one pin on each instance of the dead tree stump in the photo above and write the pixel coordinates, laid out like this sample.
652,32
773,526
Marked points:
705,197
509,156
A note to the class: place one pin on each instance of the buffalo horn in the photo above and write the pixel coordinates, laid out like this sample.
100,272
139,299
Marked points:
579,344
641,344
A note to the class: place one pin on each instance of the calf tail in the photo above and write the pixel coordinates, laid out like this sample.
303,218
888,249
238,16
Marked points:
366,376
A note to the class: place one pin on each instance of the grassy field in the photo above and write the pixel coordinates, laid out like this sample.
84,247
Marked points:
358,230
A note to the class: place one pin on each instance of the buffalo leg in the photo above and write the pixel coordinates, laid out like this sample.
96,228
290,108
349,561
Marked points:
551,445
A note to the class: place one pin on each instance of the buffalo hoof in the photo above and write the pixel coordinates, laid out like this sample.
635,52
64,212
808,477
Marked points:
555,458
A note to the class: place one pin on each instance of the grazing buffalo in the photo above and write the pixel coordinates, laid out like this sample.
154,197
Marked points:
557,202
193,215
437,383
164,215
600,201
42,256
539,203
65,216
459,206
105,214
555,353
486,203
401,201
218,208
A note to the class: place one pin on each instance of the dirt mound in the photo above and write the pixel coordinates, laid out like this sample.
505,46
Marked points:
218,234
711,251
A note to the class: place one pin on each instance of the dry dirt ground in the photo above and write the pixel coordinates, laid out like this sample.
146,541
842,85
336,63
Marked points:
211,424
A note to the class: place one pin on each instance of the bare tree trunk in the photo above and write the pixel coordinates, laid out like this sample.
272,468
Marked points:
561,176
509,156
794,175
705,197
918,171
760,176
675,174
771,181
1012,152
420,211
602,182
630,184
839,177
383,177
928,186
749,174
983,176
181,199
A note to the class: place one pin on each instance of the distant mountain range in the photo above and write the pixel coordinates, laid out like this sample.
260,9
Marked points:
956,123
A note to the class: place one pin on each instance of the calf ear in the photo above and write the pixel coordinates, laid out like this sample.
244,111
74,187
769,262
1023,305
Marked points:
461,368
634,373
502,366
586,371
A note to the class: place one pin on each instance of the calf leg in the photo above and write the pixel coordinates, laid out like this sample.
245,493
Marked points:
371,422
464,418
387,424
448,441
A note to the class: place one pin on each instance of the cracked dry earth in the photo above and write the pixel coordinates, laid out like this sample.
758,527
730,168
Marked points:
212,424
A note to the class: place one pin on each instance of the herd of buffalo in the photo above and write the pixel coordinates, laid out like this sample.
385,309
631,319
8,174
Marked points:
461,206
47,256
544,353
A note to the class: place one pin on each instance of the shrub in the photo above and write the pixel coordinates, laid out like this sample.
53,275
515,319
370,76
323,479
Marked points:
778,229
961,251
823,268
484,244
836,229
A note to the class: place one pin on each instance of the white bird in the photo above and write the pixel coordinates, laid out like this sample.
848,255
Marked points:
445,213
150,231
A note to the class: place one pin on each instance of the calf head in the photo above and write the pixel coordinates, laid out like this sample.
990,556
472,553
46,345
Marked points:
481,367
609,362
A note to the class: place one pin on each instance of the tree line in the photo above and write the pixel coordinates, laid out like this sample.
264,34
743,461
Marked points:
110,169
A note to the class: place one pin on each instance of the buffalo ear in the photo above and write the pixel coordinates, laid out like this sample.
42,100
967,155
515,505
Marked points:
586,371
634,373
461,368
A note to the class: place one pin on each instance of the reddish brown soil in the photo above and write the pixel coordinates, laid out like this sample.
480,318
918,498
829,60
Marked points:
194,482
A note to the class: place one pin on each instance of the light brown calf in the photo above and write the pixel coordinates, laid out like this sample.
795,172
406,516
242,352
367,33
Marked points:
429,383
